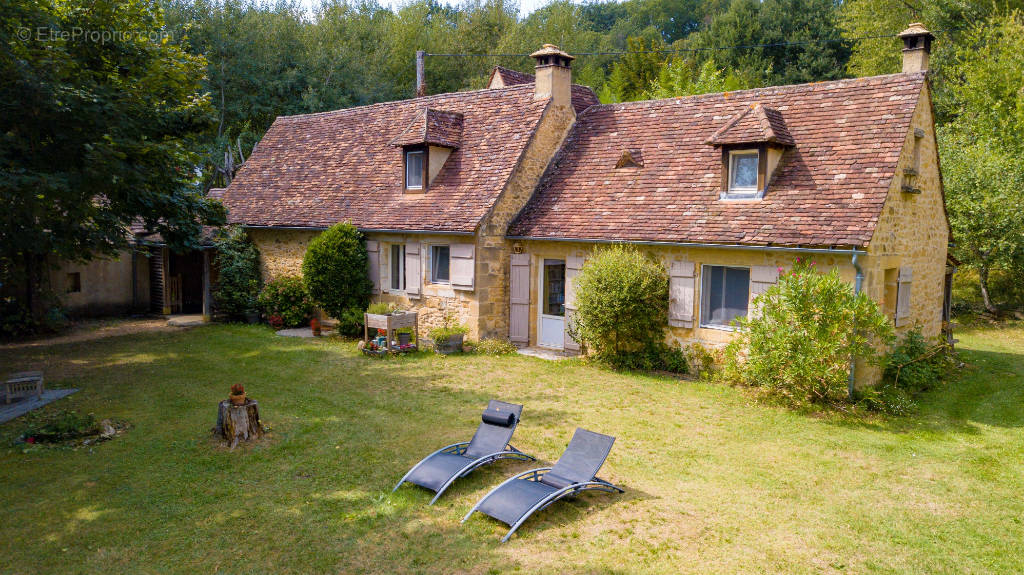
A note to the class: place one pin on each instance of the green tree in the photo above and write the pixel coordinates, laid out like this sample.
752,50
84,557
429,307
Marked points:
678,77
97,130
981,145
634,72
334,269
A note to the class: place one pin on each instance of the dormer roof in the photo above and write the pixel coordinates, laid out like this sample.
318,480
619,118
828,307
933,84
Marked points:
432,127
758,124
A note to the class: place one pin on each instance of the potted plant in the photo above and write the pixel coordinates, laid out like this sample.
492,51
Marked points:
237,396
276,321
314,324
448,336
252,316
404,337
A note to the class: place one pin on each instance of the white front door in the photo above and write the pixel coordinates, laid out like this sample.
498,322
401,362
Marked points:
552,305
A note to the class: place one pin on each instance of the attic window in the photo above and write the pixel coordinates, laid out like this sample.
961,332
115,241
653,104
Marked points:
630,158
743,171
415,169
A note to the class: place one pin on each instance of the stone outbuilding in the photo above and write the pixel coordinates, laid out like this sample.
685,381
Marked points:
485,204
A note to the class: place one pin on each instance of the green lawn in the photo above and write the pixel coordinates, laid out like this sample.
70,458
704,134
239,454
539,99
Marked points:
716,482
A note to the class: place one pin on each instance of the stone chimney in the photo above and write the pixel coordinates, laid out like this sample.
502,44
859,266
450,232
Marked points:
917,46
554,78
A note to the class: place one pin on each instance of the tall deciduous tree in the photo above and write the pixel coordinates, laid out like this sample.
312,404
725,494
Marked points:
982,143
98,116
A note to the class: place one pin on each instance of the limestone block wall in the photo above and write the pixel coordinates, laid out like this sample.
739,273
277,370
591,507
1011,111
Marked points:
712,337
493,250
913,229
281,251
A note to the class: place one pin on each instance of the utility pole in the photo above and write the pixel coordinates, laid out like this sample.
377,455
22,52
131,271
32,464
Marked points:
421,81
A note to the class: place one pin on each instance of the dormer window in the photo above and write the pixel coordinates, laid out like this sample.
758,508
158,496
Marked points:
743,171
415,169
753,143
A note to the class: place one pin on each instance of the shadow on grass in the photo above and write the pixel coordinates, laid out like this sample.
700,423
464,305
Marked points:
987,391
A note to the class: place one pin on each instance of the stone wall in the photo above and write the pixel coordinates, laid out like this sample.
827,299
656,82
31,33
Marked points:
493,250
281,251
913,230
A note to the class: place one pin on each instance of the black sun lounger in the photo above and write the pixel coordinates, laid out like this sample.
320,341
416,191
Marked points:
490,443
516,499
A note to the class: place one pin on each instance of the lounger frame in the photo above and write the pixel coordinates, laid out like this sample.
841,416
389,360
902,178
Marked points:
595,484
458,449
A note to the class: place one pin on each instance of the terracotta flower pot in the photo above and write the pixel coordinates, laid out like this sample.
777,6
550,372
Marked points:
237,399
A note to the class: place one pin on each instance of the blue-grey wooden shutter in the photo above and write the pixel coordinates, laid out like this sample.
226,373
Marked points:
903,314
681,294
573,265
519,299
761,278
462,264
373,256
413,270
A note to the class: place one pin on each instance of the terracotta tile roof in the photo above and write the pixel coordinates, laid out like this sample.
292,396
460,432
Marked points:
316,170
756,125
582,96
433,127
828,190
511,77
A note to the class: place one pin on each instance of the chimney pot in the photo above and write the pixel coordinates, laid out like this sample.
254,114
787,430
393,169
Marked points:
553,75
917,47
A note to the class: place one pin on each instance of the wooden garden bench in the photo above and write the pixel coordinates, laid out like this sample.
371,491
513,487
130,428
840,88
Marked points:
23,384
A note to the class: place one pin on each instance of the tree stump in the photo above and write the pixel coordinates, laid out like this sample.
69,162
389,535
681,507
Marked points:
239,422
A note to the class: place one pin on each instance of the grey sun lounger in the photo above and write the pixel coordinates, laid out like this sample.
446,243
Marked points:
439,470
515,500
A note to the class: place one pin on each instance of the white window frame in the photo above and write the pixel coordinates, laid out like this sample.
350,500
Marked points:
433,265
422,171
401,268
745,191
705,296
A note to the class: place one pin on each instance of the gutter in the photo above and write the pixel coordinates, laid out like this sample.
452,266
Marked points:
364,230
851,251
857,284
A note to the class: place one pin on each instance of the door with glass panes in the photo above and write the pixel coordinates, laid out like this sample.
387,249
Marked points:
551,327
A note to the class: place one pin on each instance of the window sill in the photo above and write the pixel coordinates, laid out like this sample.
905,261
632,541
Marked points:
732,196
718,327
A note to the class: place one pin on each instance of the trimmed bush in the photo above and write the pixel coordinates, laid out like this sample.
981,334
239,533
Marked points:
799,346
622,310
238,281
286,298
335,269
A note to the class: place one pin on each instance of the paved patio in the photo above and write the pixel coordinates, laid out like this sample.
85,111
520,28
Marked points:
21,407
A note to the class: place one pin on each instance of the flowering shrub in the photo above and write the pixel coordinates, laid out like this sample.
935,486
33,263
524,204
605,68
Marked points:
799,346
286,298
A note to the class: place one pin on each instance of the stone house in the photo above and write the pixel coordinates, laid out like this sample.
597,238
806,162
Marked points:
486,203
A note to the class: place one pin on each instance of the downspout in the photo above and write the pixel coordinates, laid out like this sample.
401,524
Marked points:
858,282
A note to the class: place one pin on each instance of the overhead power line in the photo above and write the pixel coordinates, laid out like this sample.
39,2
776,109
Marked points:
691,50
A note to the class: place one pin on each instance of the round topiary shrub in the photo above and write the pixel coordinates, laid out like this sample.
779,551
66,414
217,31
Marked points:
238,278
335,268
622,310
286,302
800,344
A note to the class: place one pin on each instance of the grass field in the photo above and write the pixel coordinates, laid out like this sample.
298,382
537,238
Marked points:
716,482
